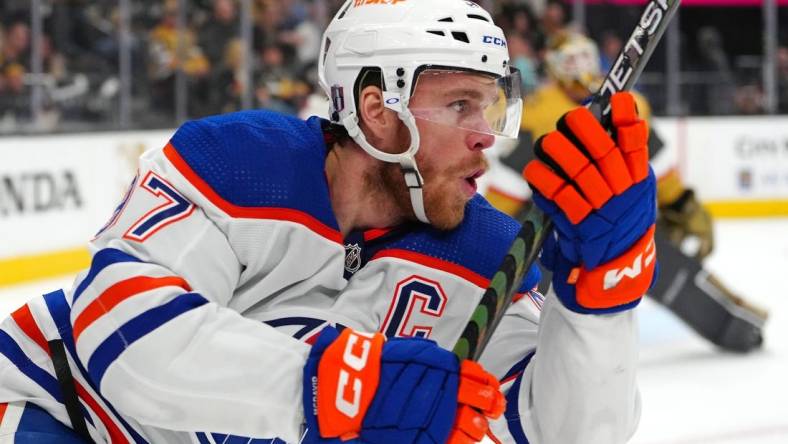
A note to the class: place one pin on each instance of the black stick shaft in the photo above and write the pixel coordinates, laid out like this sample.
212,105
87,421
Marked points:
537,226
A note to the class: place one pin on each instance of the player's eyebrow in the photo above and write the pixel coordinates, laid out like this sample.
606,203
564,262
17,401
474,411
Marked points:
463,92
470,93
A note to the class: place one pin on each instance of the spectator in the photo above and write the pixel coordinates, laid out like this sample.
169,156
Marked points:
524,59
14,96
14,57
610,47
718,95
749,99
554,18
217,32
227,81
269,22
170,51
304,37
518,18
277,87
16,46
782,78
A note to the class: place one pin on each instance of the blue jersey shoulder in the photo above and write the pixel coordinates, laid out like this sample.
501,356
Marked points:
478,244
260,159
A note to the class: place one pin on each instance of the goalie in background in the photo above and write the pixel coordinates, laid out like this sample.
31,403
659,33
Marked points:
685,234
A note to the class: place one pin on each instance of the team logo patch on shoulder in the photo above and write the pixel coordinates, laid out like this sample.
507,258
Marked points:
352,258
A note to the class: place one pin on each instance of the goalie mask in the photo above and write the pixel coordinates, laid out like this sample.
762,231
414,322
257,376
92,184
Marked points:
573,61
405,40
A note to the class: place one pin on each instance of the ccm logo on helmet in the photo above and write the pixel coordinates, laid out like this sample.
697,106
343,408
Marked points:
376,2
613,277
497,41
354,358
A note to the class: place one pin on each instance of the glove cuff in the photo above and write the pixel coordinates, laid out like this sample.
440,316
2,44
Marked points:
616,285
621,281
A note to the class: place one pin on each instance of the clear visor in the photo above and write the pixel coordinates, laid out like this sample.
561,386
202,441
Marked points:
469,101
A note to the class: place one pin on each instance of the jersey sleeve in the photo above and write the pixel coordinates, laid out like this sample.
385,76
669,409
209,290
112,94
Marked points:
155,324
574,380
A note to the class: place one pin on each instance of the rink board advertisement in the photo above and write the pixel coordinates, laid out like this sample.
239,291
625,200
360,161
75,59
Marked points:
56,192
738,166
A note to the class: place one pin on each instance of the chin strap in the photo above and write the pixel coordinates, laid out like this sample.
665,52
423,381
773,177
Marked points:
407,160
415,184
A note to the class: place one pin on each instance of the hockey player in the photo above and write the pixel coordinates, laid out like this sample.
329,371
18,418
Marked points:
252,235
572,64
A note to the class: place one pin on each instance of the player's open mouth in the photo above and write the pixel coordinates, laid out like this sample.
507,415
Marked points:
471,182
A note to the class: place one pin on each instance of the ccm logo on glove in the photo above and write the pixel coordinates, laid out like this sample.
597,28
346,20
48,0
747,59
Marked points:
614,276
353,360
356,363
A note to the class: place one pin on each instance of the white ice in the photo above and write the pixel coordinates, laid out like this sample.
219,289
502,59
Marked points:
692,393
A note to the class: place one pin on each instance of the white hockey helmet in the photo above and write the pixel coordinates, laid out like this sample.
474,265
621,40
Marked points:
403,39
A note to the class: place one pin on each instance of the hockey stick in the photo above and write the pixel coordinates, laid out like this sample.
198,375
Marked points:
536,225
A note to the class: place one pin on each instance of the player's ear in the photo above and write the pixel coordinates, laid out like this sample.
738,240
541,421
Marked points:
379,123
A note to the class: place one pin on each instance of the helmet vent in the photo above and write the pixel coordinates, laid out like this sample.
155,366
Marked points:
478,17
344,11
461,36
446,19
325,50
440,33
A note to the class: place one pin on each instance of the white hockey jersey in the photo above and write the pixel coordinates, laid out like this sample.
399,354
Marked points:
225,260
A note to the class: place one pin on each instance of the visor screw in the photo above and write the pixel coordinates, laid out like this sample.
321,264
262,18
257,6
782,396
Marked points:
504,63
400,83
484,58
400,72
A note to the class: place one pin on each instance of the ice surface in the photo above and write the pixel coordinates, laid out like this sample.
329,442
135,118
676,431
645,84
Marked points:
692,393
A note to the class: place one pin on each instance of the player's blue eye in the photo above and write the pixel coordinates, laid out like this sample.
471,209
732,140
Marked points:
460,106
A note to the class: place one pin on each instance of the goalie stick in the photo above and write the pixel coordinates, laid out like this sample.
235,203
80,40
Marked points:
536,225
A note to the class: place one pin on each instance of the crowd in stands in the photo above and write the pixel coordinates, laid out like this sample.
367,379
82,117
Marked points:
79,81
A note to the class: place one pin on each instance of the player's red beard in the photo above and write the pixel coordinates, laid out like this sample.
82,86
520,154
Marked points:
444,200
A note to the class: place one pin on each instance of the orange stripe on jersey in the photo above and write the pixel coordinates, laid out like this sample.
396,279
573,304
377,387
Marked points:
118,293
286,214
24,319
2,411
429,261
116,435
375,233
517,297
511,378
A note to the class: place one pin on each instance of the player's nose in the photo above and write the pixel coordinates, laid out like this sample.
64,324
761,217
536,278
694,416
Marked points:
477,141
